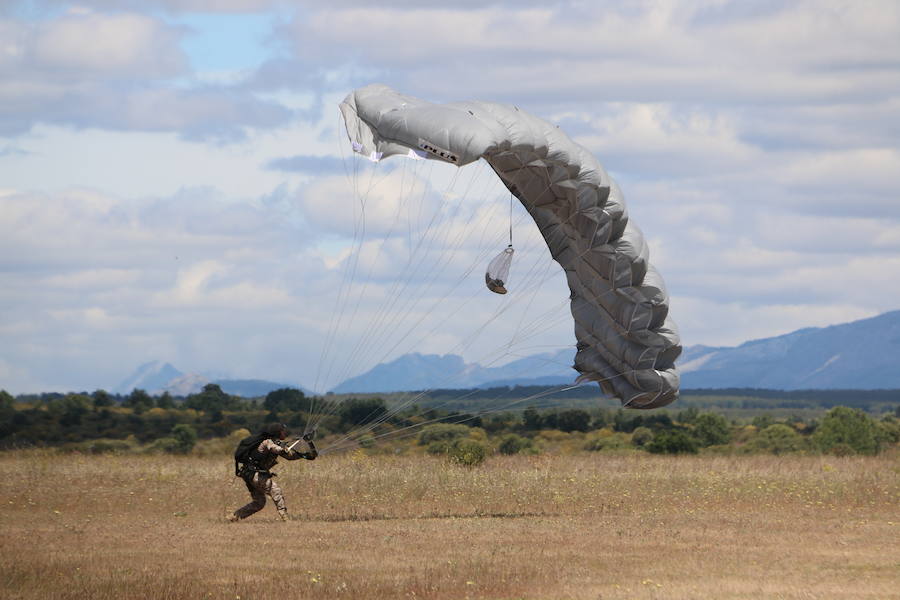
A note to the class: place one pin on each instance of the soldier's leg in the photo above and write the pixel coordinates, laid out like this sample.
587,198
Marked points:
257,489
274,490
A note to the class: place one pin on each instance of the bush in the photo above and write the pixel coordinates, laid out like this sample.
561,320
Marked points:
888,430
469,453
845,428
359,411
778,439
573,419
514,444
185,436
441,432
223,446
439,447
673,442
642,436
607,440
462,451
711,429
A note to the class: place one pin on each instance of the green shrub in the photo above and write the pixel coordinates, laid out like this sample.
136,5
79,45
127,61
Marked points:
514,444
185,436
607,440
850,427
469,453
673,442
366,441
711,429
778,439
642,436
439,447
223,446
441,432
888,430
462,451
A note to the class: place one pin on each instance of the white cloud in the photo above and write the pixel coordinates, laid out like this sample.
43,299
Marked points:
119,45
756,145
376,199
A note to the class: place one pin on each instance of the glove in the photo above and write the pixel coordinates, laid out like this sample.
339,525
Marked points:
308,436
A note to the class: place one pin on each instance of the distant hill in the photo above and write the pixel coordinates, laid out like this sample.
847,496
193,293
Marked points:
150,376
157,377
863,354
427,371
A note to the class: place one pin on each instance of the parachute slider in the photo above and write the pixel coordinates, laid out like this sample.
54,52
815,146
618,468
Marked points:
498,271
374,156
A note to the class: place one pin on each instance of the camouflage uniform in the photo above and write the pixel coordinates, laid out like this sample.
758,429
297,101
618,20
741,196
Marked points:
260,481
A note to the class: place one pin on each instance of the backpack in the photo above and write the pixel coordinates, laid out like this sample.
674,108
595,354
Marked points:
243,454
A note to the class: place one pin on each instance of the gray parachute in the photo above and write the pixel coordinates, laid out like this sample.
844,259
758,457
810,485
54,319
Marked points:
626,340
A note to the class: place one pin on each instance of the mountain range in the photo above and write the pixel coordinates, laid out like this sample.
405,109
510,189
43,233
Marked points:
862,354
157,377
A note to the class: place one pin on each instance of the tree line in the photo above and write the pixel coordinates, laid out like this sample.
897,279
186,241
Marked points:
170,424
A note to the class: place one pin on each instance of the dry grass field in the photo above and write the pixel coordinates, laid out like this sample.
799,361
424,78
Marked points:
581,526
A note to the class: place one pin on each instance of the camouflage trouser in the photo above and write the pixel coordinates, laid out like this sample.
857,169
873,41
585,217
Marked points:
259,486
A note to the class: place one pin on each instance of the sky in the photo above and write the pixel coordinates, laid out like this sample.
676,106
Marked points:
175,183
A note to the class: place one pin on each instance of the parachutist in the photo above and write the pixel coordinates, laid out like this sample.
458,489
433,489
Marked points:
253,460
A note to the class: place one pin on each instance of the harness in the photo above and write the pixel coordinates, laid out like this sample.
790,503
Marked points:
247,460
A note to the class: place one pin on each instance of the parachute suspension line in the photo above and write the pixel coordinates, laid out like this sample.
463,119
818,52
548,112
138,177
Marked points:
411,301
437,303
461,279
353,265
390,301
330,331
388,304
409,330
414,271
359,232
409,400
355,254
468,341
362,292
399,433
403,404
510,218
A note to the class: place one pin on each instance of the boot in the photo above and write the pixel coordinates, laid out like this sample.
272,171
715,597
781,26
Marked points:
284,516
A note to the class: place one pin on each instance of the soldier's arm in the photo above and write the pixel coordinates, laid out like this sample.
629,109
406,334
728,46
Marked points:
276,449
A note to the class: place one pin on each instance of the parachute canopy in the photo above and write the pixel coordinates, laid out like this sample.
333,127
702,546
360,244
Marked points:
625,339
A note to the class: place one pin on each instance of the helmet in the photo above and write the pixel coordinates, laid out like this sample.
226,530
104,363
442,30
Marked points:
274,430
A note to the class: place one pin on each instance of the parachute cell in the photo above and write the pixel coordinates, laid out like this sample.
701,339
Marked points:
626,341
